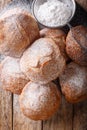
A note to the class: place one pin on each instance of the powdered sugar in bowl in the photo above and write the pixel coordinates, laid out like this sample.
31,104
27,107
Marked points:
53,13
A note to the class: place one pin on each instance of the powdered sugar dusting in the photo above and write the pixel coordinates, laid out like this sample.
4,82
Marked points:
11,66
39,50
75,76
42,62
78,80
36,96
11,70
10,12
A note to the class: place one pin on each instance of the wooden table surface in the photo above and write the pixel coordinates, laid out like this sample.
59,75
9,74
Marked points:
69,117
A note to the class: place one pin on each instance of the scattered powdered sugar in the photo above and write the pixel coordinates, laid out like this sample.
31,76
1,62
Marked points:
54,13
11,65
77,80
38,51
75,76
10,12
11,70
79,77
37,96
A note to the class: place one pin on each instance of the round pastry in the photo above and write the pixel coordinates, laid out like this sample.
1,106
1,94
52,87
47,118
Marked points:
39,102
58,36
73,82
76,45
18,29
12,78
42,61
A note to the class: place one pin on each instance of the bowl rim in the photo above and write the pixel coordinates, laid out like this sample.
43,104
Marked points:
73,13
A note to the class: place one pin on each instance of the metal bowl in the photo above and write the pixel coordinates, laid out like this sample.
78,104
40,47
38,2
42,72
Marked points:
37,3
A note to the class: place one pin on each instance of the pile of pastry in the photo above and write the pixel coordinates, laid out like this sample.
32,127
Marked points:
32,59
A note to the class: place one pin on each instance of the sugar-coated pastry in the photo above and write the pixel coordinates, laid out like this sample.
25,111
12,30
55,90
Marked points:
58,36
12,78
18,29
42,61
73,83
39,102
76,45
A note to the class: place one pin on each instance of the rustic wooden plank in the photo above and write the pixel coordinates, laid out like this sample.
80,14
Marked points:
5,110
62,119
20,122
80,116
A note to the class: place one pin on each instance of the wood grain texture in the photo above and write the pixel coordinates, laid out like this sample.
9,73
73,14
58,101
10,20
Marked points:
62,120
80,116
20,122
5,110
